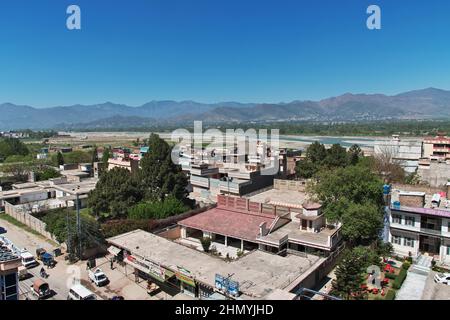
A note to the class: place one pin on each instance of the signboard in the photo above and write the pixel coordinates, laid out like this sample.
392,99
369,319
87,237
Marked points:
185,276
226,285
233,288
219,282
155,270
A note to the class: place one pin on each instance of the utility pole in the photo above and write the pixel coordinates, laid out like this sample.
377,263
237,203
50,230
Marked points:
78,224
68,233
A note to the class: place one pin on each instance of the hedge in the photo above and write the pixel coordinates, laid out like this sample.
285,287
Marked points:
400,278
390,295
391,276
406,265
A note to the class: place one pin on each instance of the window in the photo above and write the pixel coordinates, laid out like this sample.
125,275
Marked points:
409,221
448,250
396,218
396,240
409,242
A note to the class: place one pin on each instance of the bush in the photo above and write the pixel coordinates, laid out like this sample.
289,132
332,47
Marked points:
390,295
47,173
400,278
157,209
206,243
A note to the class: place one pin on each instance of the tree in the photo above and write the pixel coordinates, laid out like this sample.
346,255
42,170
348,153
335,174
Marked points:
351,196
47,173
354,154
62,223
159,176
306,169
18,171
170,206
357,184
387,166
116,191
361,223
316,152
206,243
349,275
60,159
336,156
11,147
105,157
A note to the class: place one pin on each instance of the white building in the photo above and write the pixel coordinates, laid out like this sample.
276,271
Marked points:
406,152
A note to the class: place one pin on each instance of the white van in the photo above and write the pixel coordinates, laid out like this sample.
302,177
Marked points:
28,260
79,292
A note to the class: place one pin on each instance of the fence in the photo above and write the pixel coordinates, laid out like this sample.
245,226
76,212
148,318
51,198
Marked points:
27,219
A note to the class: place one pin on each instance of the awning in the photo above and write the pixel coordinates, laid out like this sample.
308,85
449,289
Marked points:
114,250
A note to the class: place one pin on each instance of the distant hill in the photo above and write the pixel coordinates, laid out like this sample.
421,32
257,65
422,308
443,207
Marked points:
428,103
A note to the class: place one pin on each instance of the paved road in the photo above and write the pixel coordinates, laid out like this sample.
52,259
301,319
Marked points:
58,276
435,291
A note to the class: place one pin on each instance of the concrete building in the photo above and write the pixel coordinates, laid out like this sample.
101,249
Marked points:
437,148
276,221
9,264
405,152
177,268
419,224
233,172
44,195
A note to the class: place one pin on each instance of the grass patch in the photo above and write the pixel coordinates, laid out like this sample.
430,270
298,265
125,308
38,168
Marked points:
8,218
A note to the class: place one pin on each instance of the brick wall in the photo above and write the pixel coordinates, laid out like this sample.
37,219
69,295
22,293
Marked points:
412,201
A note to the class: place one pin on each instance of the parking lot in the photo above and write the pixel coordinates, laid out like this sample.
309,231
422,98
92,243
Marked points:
435,291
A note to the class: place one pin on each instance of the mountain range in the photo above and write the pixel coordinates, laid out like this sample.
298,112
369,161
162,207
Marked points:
430,103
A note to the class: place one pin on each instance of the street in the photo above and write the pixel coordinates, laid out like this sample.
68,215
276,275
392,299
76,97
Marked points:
62,276
58,276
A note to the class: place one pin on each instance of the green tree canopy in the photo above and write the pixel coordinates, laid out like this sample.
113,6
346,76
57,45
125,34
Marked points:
349,275
11,147
59,159
159,176
116,191
157,209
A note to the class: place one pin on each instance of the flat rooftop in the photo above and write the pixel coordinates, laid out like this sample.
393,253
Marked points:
288,198
258,273
228,223
293,232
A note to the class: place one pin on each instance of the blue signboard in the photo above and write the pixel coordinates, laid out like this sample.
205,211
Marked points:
219,282
233,288
227,285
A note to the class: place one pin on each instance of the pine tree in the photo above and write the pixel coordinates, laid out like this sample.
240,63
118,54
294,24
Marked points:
60,158
349,275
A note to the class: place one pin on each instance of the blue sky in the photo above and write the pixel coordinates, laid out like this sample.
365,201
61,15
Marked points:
135,51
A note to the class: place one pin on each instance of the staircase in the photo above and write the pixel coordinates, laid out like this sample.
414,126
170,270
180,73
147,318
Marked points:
422,265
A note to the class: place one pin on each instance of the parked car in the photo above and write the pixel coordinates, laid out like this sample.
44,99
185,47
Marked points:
79,292
28,260
98,277
2,230
47,260
117,298
41,289
40,252
443,278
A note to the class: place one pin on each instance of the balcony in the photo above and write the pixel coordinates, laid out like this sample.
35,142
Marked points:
199,181
433,232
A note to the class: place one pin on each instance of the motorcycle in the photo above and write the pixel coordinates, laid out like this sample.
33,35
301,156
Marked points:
44,274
